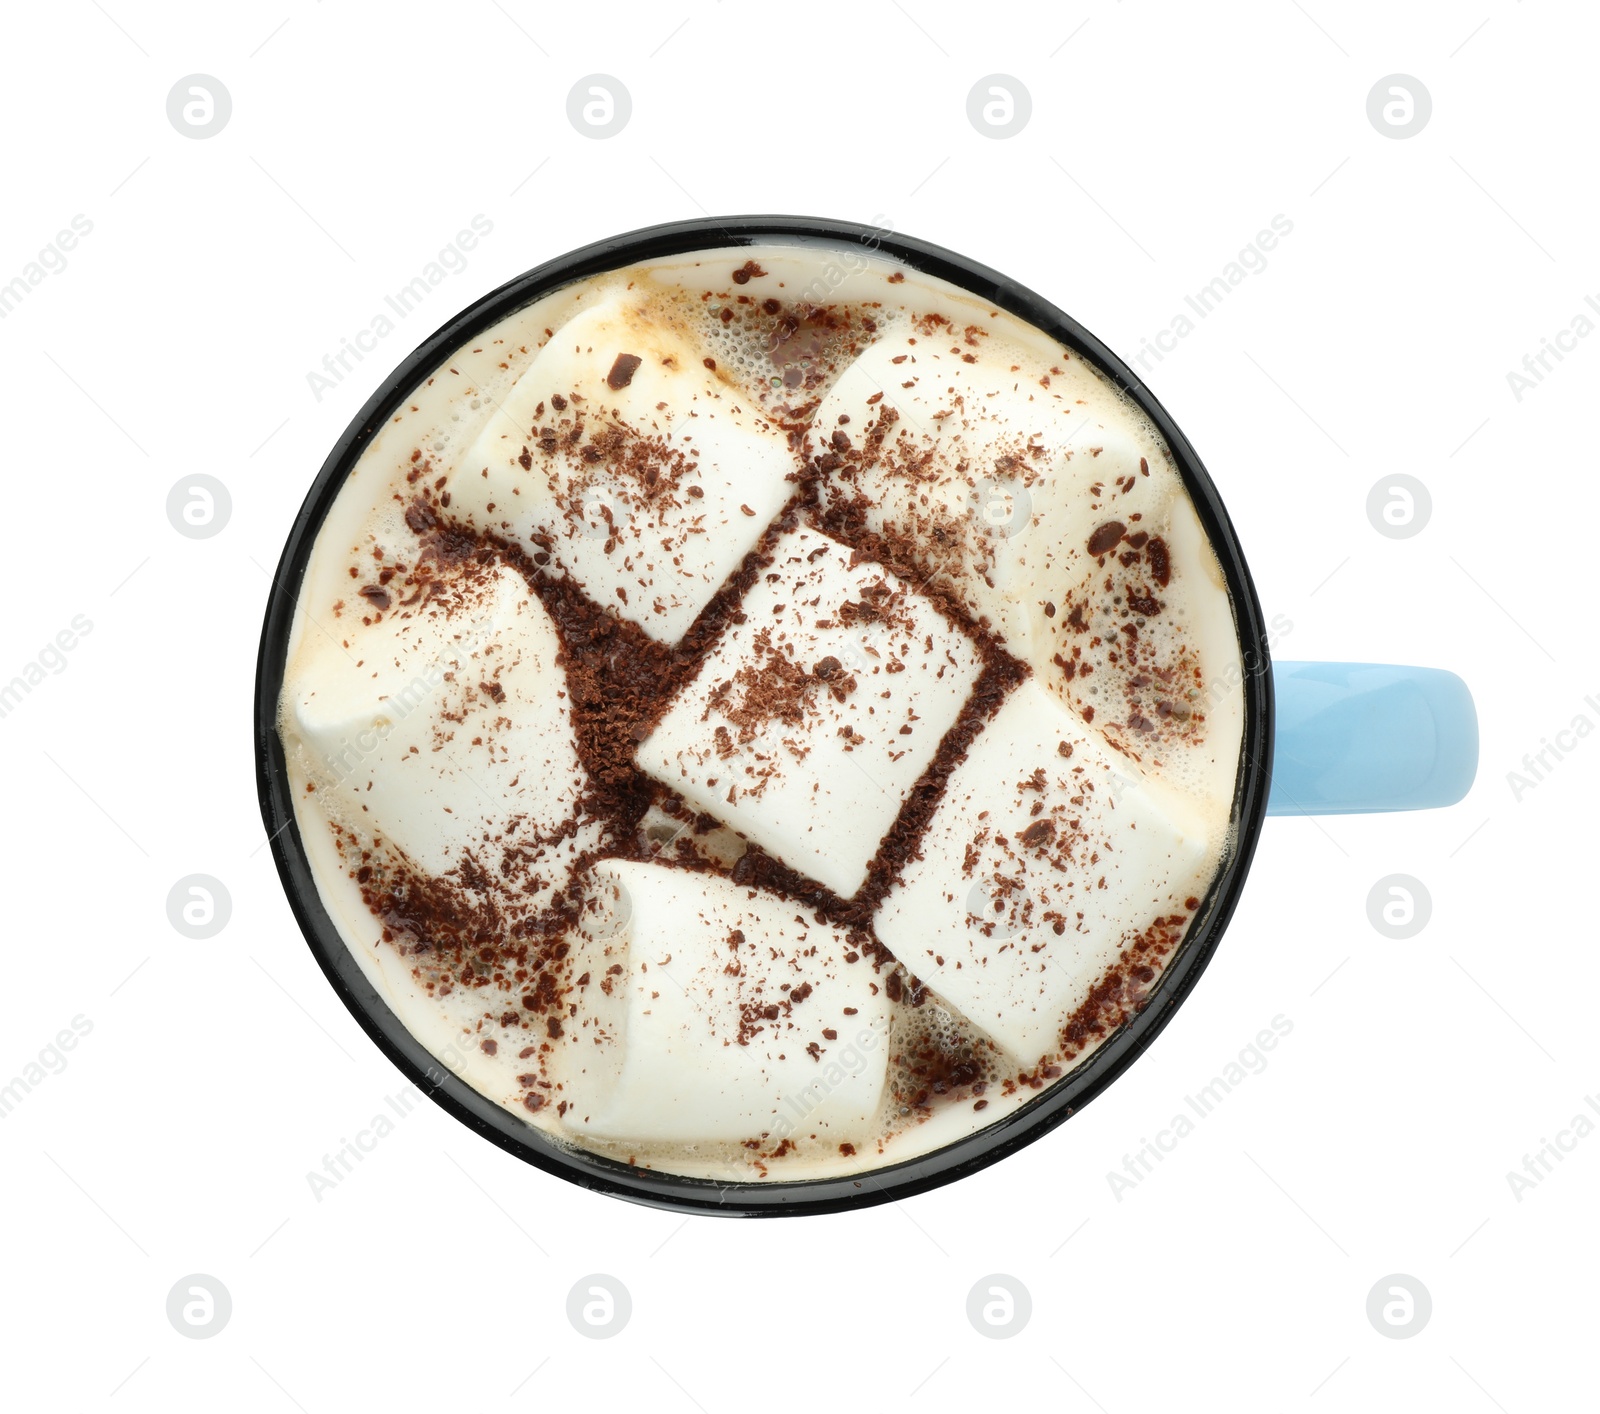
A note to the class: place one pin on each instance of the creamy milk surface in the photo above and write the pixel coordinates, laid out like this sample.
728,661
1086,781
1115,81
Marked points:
765,714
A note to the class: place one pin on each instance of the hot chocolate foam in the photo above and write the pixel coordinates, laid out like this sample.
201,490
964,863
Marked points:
762,726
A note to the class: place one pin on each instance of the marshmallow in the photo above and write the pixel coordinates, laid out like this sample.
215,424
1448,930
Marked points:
817,710
618,458
1044,860
717,1013
434,727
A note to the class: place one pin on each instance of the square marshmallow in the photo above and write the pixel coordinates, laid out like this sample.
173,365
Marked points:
1043,861
816,712
432,727
639,472
999,478
716,1012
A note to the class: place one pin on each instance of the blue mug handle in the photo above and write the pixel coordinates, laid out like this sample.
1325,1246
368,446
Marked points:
1360,738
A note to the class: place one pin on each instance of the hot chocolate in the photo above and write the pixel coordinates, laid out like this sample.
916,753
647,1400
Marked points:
759,715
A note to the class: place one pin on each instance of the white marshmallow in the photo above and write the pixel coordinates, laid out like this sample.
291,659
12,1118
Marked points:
815,713
698,1035
1036,871
992,477
649,494
437,730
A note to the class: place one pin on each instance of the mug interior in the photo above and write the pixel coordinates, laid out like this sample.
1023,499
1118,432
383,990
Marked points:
975,1151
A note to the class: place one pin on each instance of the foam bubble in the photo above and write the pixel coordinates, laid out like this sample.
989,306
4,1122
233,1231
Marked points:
935,1055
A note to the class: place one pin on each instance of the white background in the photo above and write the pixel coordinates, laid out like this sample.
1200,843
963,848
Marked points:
177,341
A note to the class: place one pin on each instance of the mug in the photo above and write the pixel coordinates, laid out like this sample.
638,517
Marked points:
1319,738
